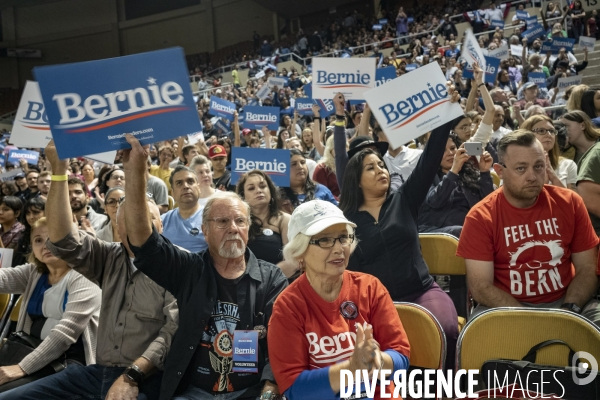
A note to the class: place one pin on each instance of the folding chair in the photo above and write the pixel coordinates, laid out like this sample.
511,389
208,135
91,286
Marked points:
509,333
425,335
495,178
6,300
14,316
439,252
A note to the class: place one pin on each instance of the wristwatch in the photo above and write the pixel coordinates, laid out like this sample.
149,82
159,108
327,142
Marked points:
572,307
134,373
270,395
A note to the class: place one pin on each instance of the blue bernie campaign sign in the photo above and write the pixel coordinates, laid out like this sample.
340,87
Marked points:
377,27
383,75
31,157
221,108
533,33
304,106
308,90
92,105
496,23
383,21
491,70
531,22
257,117
326,107
522,15
275,163
222,126
538,77
559,43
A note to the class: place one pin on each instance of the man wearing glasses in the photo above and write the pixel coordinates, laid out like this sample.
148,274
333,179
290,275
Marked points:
183,225
220,292
529,244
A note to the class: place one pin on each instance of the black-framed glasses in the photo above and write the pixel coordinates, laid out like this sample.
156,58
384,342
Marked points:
327,242
112,202
544,131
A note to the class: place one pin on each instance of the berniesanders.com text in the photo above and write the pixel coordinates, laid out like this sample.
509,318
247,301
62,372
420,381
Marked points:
134,133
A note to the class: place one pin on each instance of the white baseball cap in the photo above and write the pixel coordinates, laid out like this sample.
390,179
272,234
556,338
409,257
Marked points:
314,217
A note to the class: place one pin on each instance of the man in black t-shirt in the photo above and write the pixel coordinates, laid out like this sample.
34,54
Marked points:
221,177
219,291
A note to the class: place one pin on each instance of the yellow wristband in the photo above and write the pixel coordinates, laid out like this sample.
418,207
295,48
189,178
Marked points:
340,123
59,178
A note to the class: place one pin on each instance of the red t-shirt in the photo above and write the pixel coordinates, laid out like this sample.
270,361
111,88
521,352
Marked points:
530,247
307,332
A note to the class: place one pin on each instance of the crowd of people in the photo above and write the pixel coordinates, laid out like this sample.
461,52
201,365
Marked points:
135,277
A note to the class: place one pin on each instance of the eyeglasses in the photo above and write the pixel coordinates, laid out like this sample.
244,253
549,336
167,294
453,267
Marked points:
111,202
544,131
224,222
327,242
117,178
463,128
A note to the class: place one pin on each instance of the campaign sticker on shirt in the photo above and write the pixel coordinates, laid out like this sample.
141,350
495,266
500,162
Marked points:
245,351
267,232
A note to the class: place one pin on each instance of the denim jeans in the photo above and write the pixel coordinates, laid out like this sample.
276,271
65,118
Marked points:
195,393
81,382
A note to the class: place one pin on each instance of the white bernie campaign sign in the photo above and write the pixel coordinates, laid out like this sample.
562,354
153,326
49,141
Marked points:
471,51
412,104
587,42
350,76
564,83
501,52
31,128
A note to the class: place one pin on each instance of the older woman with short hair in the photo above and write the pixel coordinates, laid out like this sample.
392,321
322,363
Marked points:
336,319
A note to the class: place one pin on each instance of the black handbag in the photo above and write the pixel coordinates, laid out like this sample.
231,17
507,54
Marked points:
528,375
19,345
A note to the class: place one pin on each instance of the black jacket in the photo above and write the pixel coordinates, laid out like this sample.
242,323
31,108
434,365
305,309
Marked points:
389,248
190,278
448,202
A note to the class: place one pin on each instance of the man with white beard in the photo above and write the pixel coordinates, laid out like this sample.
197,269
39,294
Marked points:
221,292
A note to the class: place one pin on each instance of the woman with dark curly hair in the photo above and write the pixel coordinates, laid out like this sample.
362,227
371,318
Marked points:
33,210
268,232
113,178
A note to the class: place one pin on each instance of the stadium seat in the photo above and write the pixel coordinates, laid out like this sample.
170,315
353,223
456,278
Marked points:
509,333
439,252
495,178
425,335
6,300
14,316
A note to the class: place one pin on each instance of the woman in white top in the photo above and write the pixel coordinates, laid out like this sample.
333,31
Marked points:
58,306
109,232
201,166
561,171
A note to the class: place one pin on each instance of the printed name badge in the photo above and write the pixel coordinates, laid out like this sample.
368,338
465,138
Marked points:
245,351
